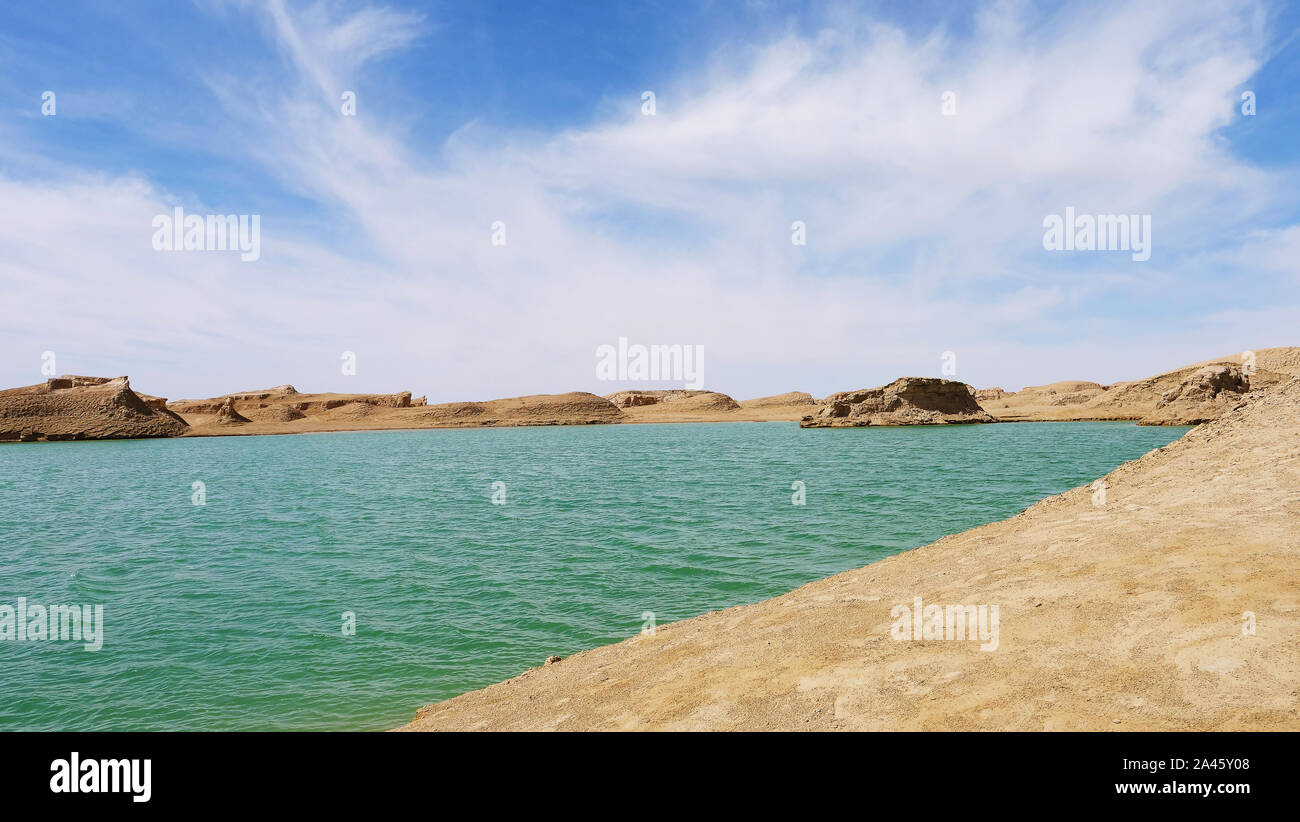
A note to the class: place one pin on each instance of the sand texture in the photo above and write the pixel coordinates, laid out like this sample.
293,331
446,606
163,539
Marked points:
1185,396
84,408
905,401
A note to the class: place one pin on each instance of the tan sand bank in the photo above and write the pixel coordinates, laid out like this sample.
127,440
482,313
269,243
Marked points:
283,410
1127,615
1188,395
1185,396
709,406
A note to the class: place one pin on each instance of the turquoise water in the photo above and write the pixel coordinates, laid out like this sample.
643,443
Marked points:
229,615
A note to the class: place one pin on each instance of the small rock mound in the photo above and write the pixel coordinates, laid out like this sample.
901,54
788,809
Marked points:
1073,398
1208,383
905,401
284,413
679,399
352,411
227,415
1201,396
634,399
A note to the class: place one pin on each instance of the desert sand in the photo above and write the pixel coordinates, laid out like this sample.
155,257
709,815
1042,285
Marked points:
1185,396
1172,603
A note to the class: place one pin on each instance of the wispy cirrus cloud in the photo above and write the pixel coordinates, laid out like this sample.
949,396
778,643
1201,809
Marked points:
924,230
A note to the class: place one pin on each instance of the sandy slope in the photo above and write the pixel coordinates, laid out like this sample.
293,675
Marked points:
1124,616
712,406
283,410
1135,399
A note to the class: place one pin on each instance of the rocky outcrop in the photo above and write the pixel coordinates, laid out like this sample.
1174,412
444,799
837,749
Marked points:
633,399
227,415
285,413
84,408
679,399
1201,396
1207,384
905,401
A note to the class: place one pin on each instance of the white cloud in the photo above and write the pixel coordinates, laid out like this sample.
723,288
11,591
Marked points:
924,230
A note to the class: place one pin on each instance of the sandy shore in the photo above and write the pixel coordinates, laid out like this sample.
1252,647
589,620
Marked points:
1127,615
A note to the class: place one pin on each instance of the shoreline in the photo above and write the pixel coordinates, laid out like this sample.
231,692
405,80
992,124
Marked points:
1119,617
237,433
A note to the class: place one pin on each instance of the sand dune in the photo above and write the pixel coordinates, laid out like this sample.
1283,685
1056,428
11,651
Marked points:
1126,615
786,400
711,406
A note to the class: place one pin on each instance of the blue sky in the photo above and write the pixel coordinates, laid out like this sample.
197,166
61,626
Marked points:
924,231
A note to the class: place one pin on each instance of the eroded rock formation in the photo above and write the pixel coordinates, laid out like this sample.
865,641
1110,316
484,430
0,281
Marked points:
905,401
84,408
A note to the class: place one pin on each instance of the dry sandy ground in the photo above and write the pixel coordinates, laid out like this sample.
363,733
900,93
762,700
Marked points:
77,408
1133,400
283,410
1124,616
271,411
790,407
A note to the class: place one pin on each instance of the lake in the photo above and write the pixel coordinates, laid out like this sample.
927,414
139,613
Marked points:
463,557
